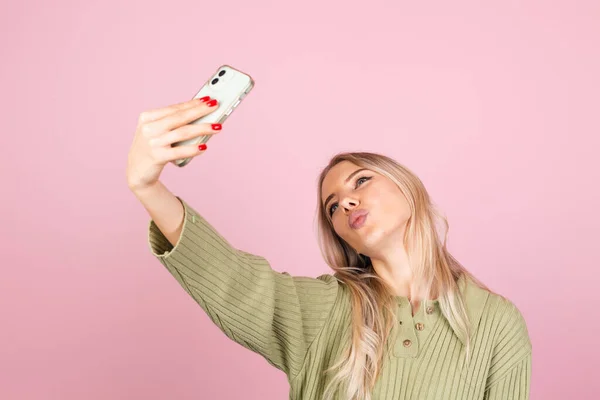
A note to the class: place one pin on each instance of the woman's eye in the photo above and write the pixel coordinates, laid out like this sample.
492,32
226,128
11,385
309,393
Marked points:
331,209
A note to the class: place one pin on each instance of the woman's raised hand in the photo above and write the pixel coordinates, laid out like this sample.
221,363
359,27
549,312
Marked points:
157,130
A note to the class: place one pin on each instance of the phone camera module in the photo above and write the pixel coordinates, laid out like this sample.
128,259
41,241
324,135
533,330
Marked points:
222,73
214,81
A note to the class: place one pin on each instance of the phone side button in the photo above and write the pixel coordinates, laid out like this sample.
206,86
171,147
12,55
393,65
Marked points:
236,103
229,112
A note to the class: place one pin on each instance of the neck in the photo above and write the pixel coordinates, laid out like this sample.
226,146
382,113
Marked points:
395,270
393,267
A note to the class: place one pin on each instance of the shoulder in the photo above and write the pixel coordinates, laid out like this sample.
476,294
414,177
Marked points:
323,282
324,288
507,337
496,317
342,303
328,278
506,321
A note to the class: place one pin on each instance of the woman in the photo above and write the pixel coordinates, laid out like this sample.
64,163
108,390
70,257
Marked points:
400,318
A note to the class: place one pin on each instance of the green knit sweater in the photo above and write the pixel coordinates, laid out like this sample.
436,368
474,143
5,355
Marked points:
301,325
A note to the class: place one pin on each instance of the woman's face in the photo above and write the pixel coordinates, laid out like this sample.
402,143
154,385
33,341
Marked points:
386,207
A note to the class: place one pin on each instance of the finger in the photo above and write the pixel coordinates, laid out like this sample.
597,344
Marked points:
158,113
179,152
183,117
185,132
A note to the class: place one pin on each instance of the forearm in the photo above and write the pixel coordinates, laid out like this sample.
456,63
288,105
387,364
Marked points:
164,208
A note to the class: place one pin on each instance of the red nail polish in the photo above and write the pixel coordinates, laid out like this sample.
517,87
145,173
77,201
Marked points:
203,99
202,147
212,103
216,127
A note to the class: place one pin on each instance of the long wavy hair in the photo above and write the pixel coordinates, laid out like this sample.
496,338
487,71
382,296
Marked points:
434,270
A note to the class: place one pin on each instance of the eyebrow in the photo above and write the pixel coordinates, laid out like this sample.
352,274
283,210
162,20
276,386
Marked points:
345,182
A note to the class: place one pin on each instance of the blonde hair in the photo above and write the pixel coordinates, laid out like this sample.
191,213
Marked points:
434,270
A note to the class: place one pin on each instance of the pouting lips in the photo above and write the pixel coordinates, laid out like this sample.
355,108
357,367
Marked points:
359,222
357,218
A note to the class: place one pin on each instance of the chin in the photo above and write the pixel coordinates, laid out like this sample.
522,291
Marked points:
370,238
376,236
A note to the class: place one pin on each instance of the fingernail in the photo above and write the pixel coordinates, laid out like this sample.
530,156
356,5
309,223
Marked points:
212,103
202,147
216,127
203,99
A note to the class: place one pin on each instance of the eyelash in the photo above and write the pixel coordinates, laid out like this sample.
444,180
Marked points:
356,185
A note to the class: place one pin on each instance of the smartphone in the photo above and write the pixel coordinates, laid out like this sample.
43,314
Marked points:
229,86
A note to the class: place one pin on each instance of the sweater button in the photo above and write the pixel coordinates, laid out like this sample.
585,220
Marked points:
429,310
407,343
420,326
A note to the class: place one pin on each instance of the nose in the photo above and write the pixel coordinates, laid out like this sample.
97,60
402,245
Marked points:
348,204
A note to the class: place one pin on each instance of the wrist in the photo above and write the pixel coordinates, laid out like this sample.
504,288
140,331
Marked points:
143,190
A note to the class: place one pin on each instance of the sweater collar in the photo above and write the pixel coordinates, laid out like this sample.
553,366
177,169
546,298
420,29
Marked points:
475,298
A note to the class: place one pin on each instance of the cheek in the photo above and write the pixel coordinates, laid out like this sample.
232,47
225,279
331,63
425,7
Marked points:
393,201
392,211
340,226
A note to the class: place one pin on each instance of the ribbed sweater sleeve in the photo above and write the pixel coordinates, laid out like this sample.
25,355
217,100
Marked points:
270,313
510,370
515,385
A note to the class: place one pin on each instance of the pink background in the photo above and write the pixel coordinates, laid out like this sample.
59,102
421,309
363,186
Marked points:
495,107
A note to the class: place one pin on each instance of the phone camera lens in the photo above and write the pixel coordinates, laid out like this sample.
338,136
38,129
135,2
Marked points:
222,73
214,81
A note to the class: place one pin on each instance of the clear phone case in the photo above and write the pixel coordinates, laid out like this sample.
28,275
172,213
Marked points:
229,86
